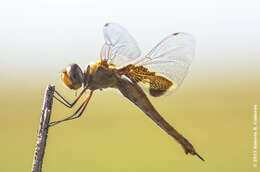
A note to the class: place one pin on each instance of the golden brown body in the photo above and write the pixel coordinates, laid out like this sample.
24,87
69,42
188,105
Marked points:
164,67
101,75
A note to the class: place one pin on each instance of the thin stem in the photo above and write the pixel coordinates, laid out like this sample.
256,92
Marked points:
43,129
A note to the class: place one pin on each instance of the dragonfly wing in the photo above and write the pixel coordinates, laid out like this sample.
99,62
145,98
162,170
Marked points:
120,47
171,57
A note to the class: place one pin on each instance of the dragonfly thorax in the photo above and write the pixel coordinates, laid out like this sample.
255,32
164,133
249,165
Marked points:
99,76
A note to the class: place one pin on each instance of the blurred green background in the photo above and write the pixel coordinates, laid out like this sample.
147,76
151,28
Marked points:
213,109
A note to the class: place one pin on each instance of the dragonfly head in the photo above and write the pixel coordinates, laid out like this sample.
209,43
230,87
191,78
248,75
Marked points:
73,77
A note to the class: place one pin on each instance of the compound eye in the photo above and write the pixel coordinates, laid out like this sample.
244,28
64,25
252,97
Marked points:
73,77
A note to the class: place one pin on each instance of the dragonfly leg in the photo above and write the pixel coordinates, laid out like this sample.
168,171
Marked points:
77,113
65,102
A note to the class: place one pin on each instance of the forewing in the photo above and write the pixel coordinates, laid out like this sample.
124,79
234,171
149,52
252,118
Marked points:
171,57
120,47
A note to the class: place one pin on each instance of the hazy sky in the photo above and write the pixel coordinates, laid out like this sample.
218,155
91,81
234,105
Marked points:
53,33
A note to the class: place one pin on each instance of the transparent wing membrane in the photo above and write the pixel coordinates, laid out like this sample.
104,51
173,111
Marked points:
171,57
120,47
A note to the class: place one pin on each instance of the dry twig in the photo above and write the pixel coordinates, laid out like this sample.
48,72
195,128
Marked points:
43,129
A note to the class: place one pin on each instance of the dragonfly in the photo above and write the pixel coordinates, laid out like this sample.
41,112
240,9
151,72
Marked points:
121,66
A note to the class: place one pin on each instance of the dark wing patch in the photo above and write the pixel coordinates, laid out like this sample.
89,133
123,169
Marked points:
156,93
157,85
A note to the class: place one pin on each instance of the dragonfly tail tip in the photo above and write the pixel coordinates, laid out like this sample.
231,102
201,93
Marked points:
199,156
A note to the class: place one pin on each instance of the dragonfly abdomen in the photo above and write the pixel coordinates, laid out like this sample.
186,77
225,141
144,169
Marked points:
136,95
